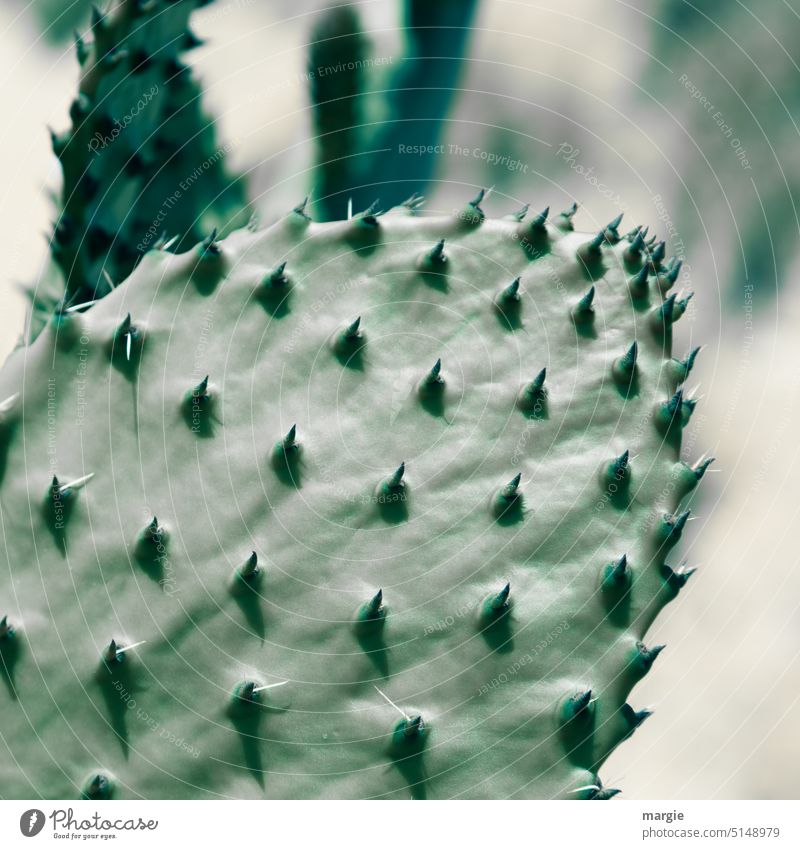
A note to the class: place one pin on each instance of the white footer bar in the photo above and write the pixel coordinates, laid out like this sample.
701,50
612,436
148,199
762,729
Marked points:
616,824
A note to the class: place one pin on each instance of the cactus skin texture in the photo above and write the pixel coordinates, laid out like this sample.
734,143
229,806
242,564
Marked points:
134,153
309,542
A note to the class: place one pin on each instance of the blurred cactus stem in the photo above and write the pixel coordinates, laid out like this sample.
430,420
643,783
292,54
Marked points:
362,131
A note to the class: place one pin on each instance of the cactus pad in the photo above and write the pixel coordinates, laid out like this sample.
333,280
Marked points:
371,508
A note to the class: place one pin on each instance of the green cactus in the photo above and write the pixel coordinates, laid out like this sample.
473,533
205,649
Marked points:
58,18
362,130
329,568
133,158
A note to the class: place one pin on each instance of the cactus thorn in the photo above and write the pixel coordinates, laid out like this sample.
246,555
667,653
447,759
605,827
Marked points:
66,488
396,480
628,360
604,793
580,702
126,331
589,252
536,386
383,695
672,526
290,440
680,305
638,283
210,246
677,579
521,213
595,243
666,311
300,209
583,308
414,726
681,520
614,225
565,218
98,22
370,215
96,783
511,292
436,255
247,692
631,355
637,243
701,466
434,376
539,221
688,363
277,278
611,232
200,392
269,686
99,787
675,403
249,569
620,465
112,653
121,651
616,576
374,607
414,202
674,271
639,716
165,244
478,199
510,490
352,331
647,656
499,602
659,252
6,630
64,310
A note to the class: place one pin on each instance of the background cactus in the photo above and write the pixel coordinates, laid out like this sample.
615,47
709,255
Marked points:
405,539
133,157
362,130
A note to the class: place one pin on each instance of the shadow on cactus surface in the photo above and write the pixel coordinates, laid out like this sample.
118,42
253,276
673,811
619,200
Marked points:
372,508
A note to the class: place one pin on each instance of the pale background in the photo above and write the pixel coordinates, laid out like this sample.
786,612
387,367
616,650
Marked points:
595,75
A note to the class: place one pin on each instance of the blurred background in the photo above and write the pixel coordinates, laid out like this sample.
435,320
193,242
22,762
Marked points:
684,116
